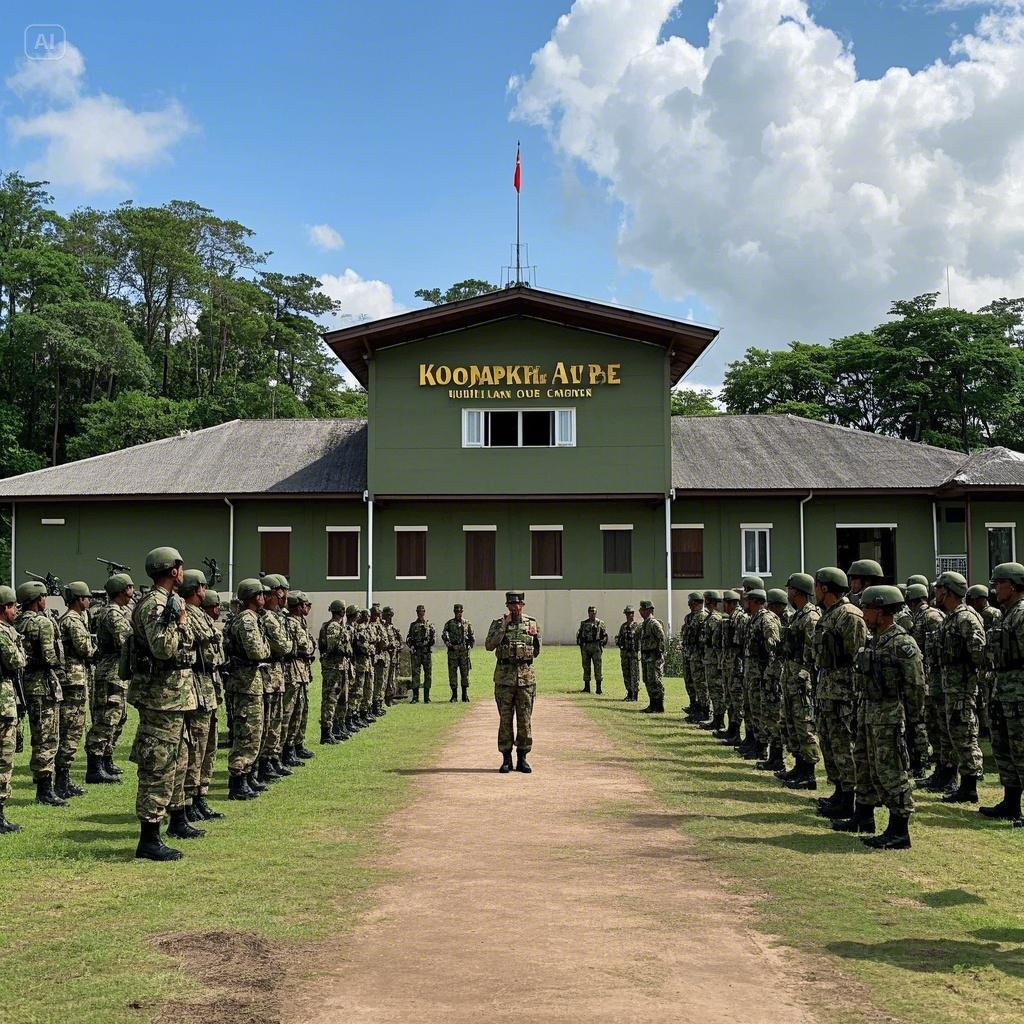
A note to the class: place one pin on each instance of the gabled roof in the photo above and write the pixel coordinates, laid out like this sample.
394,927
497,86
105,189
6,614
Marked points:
991,467
234,458
685,341
790,453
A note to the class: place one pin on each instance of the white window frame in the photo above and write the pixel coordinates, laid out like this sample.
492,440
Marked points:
478,415
616,526
687,526
482,413
1012,527
273,529
359,548
410,529
867,526
467,528
745,528
553,528
51,522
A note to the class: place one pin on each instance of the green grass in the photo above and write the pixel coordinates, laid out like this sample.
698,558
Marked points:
79,913
935,934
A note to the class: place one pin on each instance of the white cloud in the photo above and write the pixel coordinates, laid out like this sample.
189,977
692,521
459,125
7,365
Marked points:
323,236
360,299
88,141
761,175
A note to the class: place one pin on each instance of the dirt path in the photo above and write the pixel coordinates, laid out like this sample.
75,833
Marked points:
566,895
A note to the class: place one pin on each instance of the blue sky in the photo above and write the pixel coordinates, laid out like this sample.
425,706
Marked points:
391,123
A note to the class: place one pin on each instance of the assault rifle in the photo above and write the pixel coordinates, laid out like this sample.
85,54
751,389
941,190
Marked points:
213,573
54,584
114,567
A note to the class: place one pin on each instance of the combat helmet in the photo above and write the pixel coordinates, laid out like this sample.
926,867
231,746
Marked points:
777,596
1013,572
76,589
917,592
866,568
30,590
118,584
161,560
977,591
917,578
336,607
192,580
831,576
885,597
248,589
954,582
802,582
211,599
7,596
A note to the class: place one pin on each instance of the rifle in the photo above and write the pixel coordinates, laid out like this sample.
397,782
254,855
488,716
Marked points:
114,567
54,584
172,610
20,702
213,573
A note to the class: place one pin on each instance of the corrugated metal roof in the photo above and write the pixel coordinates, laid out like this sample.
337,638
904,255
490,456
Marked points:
992,467
238,457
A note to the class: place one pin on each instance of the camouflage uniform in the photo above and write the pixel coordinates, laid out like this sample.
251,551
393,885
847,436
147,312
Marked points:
394,655
990,616
1008,697
202,723
628,642
43,692
381,660
298,674
421,638
164,691
516,645
458,638
362,685
78,654
714,683
963,658
248,649
732,665
932,727
109,708
274,682
771,688
798,686
693,645
12,661
335,648
761,640
591,639
652,659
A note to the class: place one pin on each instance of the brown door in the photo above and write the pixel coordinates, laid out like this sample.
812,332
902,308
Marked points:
480,559
275,552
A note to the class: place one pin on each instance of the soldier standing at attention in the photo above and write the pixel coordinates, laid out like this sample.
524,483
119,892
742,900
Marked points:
163,690
515,640
12,661
421,639
109,710
394,652
211,609
729,654
771,686
864,573
294,727
797,683
352,723
978,599
926,621
762,638
381,660
591,638
45,658
273,618
362,653
457,636
652,659
693,655
78,653
334,698
1008,692
712,694
628,642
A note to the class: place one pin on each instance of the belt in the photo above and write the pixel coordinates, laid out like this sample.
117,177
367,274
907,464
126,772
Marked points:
512,661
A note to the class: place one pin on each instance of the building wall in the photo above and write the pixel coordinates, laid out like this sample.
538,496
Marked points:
988,511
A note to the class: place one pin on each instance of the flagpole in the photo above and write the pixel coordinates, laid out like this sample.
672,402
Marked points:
519,273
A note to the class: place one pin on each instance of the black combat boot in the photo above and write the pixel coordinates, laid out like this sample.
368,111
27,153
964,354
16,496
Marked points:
96,770
506,763
732,737
965,793
193,814
45,793
941,778
151,846
237,788
659,706
179,827
774,762
1008,809
843,808
63,785
597,688
455,694
208,813
829,801
757,751
108,763
7,827
302,752
804,779
327,737
521,763
720,731
786,774
289,756
586,688
415,695
749,743
862,821
896,835
465,693
709,720
284,770
426,694
690,711
255,783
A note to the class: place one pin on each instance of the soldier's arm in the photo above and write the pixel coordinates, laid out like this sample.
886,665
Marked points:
659,631
121,627
536,638
445,637
911,666
277,636
470,639
604,637
854,633
79,638
494,634
251,639
973,631
164,639
431,637
12,657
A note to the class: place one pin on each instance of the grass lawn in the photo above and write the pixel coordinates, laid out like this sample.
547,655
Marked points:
934,934
80,915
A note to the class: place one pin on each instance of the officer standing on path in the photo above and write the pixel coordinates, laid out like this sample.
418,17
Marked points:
652,659
457,636
78,654
515,640
628,642
591,638
12,661
421,639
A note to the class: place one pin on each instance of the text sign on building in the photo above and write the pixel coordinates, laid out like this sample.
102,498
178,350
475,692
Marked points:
511,380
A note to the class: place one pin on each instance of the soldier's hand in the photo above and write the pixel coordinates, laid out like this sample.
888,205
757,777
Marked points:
507,617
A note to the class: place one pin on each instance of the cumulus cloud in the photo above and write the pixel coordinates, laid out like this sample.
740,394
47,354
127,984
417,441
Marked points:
360,299
762,176
323,236
88,140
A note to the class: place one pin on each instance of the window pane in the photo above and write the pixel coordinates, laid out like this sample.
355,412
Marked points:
762,550
472,430
687,554
411,553
564,426
274,553
502,429
749,551
1000,546
618,550
537,429
546,553
343,553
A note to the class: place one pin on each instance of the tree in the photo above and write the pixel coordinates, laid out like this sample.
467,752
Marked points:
133,417
694,402
468,289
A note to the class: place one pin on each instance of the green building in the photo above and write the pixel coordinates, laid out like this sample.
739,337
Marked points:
522,438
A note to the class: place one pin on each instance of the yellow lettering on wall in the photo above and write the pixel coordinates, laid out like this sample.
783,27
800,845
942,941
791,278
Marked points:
559,375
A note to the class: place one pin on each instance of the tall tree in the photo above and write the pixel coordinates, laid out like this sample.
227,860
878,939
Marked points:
467,289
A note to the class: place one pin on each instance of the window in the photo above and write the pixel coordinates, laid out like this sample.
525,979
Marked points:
876,541
688,551
275,549
956,514
480,573
618,548
410,552
757,549
1002,544
518,428
343,552
545,552
51,522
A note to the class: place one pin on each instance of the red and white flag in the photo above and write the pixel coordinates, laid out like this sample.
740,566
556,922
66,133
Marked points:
517,179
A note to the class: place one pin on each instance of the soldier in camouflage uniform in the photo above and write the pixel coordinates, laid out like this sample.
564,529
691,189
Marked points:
628,642
363,651
864,573
797,683
274,615
690,648
652,659
381,660
334,649
353,722
211,609
45,662
771,687
12,663
712,700
76,683
421,639
300,674
762,637
591,639
927,621
732,658
963,659
1007,708
840,633
748,746
978,599
248,651
161,656
457,636
109,708
394,654
515,640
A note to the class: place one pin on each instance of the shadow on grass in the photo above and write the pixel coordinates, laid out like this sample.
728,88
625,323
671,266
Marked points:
670,820
110,819
934,956
955,898
442,771
802,842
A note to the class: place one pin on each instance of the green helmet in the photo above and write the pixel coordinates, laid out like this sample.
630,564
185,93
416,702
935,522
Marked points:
118,583
295,598
647,606
336,607
752,583
161,560
696,597
881,597
192,580
387,611
829,575
628,610
757,594
7,596
211,599
248,589
917,592
351,610
1011,571
866,568
712,595
730,595
778,596
917,578
802,582
30,590
274,580
953,582
77,589
978,590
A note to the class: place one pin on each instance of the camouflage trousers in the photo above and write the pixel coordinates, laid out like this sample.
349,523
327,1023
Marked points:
344,707
109,713
752,693
769,729
715,684
366,687
651,668
273,715
515,705
835,737
1007,718
44,726
798,717
882,766
938,733
247,730
733,689
8,741
391,686
459,664
380,677
421,662
289,706
961,712
591,658
161,753
202,752
72,724
295,734
698,688
630,663
333,693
